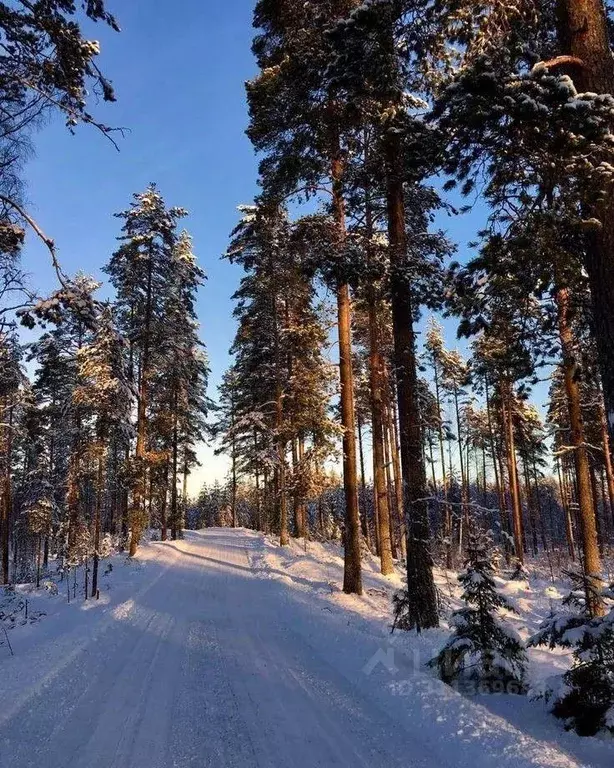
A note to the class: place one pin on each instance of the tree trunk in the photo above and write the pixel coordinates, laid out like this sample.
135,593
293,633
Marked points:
7,503
98,512
588,526
364,517
583,34
420,583
607,459
376,366
508,419
137,516
352,572
174,464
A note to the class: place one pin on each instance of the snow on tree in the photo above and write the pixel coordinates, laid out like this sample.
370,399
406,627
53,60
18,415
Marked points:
484,652
583,697
141,272
105,392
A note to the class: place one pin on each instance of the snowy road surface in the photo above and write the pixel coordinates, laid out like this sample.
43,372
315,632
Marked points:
213,662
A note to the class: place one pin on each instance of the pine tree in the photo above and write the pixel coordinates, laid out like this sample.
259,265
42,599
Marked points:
278,348
260,244
183,372
374,71
141,273
435,350
289,101
10,381
230,427
104,391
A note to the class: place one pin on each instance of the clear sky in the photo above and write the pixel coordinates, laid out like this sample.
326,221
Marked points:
179,71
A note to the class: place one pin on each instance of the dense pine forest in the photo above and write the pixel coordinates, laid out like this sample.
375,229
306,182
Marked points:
418,402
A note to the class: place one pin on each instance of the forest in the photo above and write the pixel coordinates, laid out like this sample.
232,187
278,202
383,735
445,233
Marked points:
385,392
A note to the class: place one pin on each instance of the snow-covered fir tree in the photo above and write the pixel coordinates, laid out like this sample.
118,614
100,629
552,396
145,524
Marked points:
484,652
583,697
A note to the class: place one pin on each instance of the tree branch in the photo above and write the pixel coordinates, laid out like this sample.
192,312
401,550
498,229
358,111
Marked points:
40,234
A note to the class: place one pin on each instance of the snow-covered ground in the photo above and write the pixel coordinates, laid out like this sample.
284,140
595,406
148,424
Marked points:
225,650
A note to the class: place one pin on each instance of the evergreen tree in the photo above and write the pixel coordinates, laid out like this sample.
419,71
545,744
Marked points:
584,696
104,391
141,272
484,652
373,69
298,121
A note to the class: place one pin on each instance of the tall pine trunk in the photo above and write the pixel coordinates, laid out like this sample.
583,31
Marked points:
5,523
420,583
352,572
583,34
137,513
376,367
586,513
98,507
607,459
174,464
507,408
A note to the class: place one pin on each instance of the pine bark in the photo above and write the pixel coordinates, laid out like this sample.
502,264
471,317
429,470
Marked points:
7,503
586,513
583,34
420,582
512,464
352,572
607,459
138,497
98,510
364,518
376,364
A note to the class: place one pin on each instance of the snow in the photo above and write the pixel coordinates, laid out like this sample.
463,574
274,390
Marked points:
226,650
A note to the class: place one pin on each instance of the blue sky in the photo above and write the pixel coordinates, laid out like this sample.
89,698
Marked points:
179,72
179,79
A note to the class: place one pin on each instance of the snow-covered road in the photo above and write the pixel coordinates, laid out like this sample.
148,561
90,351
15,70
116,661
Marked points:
209,664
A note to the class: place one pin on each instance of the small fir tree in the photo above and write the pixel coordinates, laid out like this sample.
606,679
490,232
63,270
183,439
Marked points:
584,696
484,653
